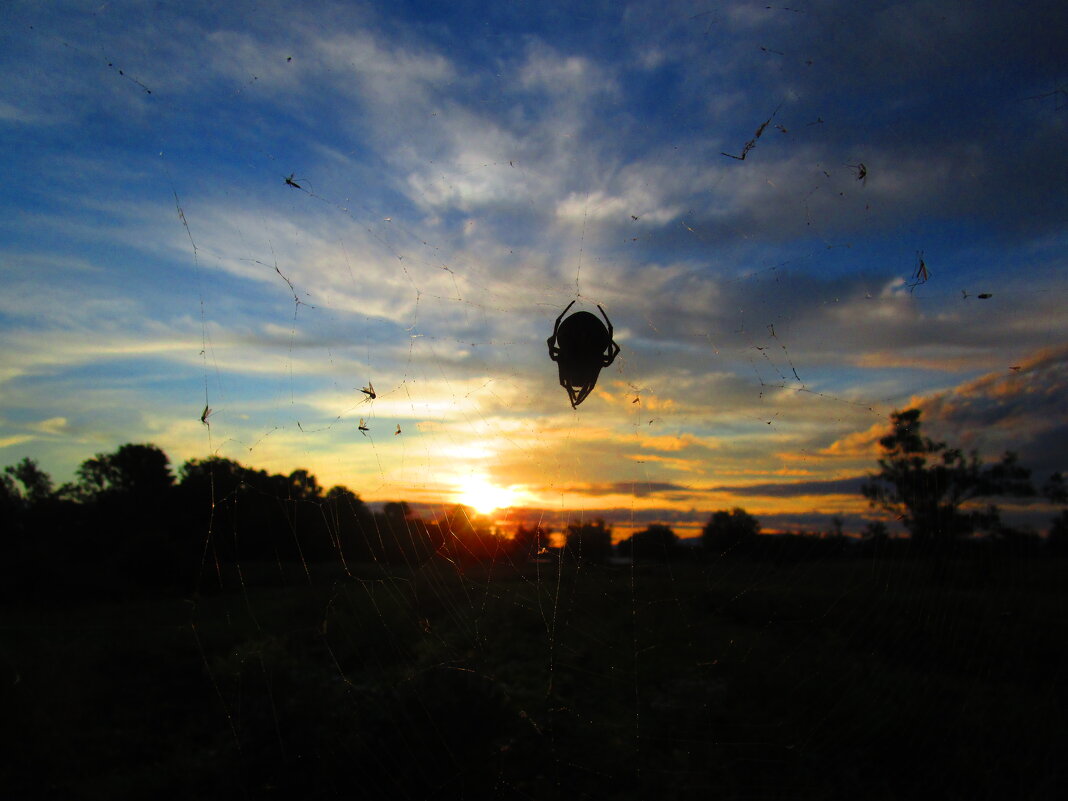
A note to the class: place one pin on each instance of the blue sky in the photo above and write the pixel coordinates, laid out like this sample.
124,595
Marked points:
465,172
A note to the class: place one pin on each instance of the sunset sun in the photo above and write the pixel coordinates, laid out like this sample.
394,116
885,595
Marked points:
484,497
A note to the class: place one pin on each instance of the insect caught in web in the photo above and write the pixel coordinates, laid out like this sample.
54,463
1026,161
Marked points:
291,181
920,276
860,170
581,346
369,390
363,427
752,142
204,415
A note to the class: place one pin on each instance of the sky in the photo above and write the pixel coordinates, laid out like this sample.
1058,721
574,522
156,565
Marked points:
263,209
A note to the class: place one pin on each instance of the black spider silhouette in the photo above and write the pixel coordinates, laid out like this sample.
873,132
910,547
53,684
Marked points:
581,346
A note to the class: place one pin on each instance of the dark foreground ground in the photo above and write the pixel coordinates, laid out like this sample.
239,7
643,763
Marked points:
844,679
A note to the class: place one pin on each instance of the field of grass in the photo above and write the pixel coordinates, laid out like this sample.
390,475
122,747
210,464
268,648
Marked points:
734,680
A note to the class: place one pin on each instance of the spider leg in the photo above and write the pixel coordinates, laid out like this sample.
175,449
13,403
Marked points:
609,357
607,321
559,319
554,351
579,394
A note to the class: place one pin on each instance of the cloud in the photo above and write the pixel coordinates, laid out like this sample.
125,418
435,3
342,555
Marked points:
458,191
16,439
637,489
1018,408
796,489
53,426
1021,410
574,79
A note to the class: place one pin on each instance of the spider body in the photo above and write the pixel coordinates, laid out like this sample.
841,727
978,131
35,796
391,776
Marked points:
581,346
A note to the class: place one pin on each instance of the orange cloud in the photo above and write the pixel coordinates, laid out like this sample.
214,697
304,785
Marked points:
858,444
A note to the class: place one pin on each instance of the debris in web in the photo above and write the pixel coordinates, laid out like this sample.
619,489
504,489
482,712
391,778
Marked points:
860,170
129,78
752,142
1058,91
921,275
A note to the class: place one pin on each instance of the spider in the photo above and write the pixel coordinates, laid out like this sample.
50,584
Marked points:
581,346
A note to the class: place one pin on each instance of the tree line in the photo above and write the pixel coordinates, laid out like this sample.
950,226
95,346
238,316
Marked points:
128,522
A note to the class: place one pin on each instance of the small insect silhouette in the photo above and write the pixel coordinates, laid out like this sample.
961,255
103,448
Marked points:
204,415
363,427
581,346
861,171
984,296
398,430
369,390
291,182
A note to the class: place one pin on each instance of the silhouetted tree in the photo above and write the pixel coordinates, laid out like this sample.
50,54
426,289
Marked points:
15,509
927,484
303,486
591,542
655,542
136,470
399,536
348,520
36,484
468,537
1056,490
730,532
529,542
876,530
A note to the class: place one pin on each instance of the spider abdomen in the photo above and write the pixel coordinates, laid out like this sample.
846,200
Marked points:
583,334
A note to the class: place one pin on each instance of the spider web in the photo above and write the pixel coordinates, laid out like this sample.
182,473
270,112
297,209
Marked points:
362,227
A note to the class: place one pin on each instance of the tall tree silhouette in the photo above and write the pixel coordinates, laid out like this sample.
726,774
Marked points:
657,541
591,542
36,484
730,532
933,488
137,470
1056,490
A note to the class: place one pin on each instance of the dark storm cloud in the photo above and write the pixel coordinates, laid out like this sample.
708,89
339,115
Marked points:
1020,409
638,489
947,78
840,486
941,101
786,318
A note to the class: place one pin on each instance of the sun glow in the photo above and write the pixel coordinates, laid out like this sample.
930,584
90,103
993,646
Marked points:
484,497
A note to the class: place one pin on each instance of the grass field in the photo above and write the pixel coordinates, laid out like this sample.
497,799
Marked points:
735,679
